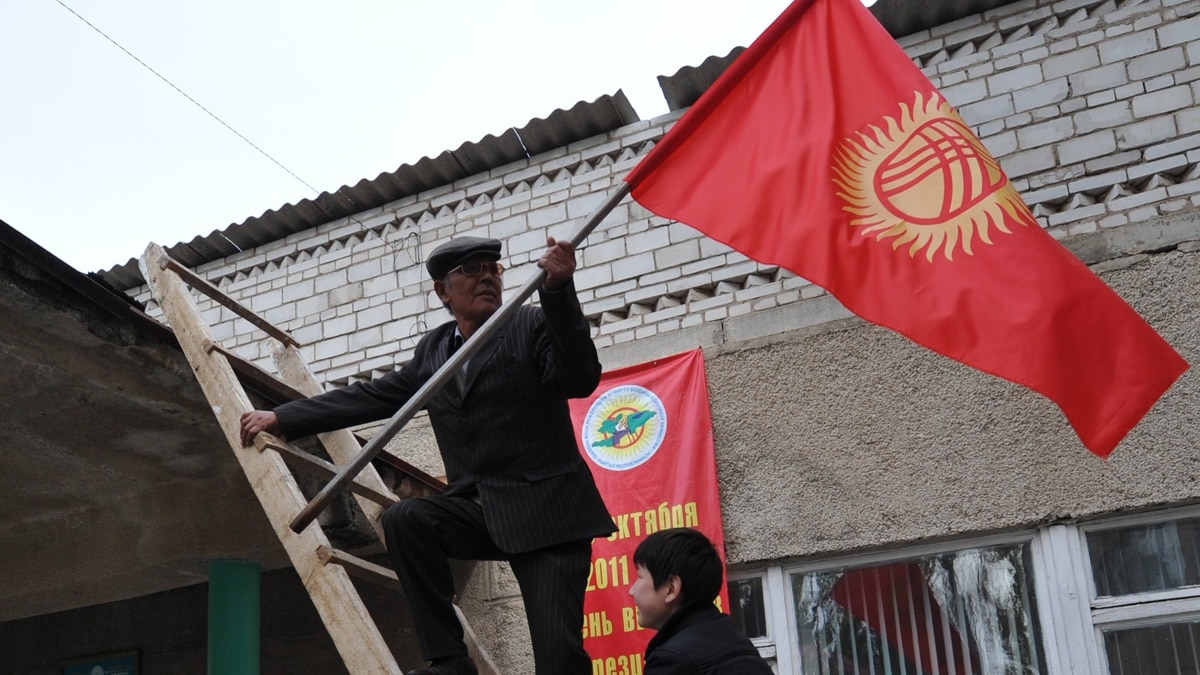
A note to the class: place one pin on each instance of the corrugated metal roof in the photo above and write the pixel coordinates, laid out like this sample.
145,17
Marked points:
560,128
905,17
899,17
685,86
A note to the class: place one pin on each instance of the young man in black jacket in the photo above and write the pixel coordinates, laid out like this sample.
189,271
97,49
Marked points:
678,576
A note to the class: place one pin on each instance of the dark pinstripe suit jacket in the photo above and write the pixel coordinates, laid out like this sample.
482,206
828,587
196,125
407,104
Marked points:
509,434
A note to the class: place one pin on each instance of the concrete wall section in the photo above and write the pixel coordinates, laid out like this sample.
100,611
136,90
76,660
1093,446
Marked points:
860,439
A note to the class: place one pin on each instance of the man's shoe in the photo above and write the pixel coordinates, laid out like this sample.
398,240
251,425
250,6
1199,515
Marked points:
458,665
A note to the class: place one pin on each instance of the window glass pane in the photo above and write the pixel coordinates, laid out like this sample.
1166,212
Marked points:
970,611
746,607
1169,649
1143,558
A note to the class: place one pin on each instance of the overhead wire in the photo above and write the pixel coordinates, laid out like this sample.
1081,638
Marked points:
349,215
210,113
185,95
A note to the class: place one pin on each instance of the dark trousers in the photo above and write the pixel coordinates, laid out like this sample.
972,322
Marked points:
423,533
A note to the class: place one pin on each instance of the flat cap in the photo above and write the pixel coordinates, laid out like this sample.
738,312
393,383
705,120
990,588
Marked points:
457,251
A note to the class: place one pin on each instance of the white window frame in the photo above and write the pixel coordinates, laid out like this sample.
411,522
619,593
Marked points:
775,609
1141,609
1068,638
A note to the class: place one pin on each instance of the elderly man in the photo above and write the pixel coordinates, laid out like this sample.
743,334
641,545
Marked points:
518,489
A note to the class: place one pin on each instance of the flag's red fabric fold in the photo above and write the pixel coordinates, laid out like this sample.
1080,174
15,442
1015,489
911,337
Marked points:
824,150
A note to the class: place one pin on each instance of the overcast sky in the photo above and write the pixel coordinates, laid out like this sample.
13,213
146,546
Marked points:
99,156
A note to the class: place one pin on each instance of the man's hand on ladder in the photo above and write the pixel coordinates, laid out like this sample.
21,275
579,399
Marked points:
256,421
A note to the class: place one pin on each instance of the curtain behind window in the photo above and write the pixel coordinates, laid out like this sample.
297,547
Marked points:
959,613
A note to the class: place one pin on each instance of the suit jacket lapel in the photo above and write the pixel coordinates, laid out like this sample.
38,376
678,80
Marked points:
481,357
444,351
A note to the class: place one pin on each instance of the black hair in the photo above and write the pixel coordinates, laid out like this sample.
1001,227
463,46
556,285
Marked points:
685,553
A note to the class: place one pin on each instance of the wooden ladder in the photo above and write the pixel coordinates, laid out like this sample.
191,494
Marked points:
324,571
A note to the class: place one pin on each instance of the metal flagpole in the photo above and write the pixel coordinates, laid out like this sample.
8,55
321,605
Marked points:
443,374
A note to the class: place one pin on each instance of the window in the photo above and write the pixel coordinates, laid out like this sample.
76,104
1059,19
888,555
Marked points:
1145,558
1145,590
1167,648
747,607
1119,596
755,605
956,613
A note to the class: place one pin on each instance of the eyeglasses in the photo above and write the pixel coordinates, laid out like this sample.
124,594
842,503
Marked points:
474,268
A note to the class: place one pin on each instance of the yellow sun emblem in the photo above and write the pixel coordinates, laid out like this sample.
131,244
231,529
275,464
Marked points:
925,180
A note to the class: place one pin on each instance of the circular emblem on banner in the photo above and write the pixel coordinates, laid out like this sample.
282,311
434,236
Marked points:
624,427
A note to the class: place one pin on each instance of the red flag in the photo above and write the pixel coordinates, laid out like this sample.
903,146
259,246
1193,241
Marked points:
824,150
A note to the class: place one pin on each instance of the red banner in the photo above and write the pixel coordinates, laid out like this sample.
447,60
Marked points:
647,435
823,149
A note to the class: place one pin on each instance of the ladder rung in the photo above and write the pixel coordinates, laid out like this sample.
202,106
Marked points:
394,463
359,568
253,374
304,461
201,284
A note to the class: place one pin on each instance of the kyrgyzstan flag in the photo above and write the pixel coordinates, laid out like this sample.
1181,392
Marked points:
824,150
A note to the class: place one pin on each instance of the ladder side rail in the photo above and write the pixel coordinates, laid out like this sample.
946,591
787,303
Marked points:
354,633
341,444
